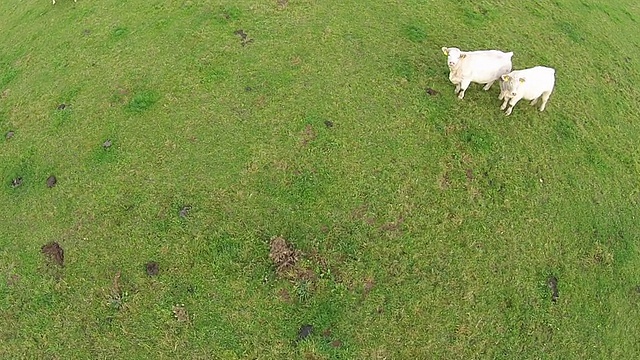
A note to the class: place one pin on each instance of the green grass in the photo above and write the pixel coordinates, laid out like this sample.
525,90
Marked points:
429,225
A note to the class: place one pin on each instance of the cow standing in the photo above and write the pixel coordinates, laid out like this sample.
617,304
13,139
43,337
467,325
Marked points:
530,84
483,67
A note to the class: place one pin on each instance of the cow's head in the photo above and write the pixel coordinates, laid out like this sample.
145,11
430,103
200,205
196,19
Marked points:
513,83
453,56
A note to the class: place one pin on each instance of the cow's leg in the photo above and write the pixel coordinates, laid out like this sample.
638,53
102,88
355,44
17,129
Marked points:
545,98
488,86
463,86
54,2
512,103
457,89
534,101
504,103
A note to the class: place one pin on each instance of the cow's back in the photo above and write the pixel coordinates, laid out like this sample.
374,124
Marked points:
484,65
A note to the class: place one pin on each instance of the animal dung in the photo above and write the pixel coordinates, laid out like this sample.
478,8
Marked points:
304,332
9,135
185,211
152,268
16,182
552,282
62,106
107,144
431,92
51,181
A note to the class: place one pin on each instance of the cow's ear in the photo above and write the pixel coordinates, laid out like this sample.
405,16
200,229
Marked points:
445,50
521,80
462,56
505,77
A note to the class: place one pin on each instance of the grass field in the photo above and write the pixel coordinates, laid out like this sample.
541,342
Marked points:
426,227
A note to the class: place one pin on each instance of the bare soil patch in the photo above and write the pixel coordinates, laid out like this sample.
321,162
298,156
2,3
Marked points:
152,268
180,313
283,255
54,253
244,38
469,173
394,226
369,283
307,135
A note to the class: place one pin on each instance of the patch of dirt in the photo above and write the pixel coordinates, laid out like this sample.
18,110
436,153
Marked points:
451,129
9,135
445,182
431,92
54,253
16,182
368,285
360,213
326,333
115,288
282,4
152,268
296,60
285,296
283,255
117,296
261,101
13,279
469,173
552,282
336,343
394,226
4,94
244,38
51,181
180,313
307,135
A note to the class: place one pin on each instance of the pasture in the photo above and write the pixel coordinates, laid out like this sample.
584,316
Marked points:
188,137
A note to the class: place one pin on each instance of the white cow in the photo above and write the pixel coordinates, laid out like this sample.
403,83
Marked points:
529,84
54,1
482,67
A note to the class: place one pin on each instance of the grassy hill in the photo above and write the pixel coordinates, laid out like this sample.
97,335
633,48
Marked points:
186,135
